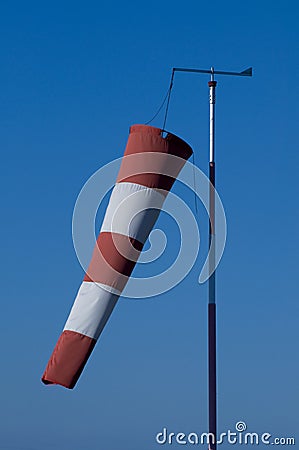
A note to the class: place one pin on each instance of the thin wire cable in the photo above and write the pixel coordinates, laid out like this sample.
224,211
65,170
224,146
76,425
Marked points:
166,98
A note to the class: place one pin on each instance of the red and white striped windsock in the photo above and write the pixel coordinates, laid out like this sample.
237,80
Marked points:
148,170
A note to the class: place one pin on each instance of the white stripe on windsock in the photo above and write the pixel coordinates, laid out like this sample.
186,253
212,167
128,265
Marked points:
133,210
92,308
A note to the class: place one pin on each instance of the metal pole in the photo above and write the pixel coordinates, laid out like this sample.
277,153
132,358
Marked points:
212,280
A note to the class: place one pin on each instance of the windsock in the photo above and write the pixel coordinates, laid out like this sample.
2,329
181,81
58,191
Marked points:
148,170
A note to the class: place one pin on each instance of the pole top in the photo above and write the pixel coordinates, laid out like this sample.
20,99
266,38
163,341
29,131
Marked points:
212,73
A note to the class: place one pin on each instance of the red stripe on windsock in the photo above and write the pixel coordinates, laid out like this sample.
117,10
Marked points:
68,359
113,260
157,171
143,138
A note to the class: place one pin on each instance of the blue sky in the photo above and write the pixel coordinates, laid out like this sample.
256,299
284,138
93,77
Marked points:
74,76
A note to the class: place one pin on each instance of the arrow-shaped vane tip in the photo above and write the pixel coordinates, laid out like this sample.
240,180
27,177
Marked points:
247,72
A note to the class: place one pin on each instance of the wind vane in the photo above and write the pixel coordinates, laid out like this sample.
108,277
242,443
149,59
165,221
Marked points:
212,347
